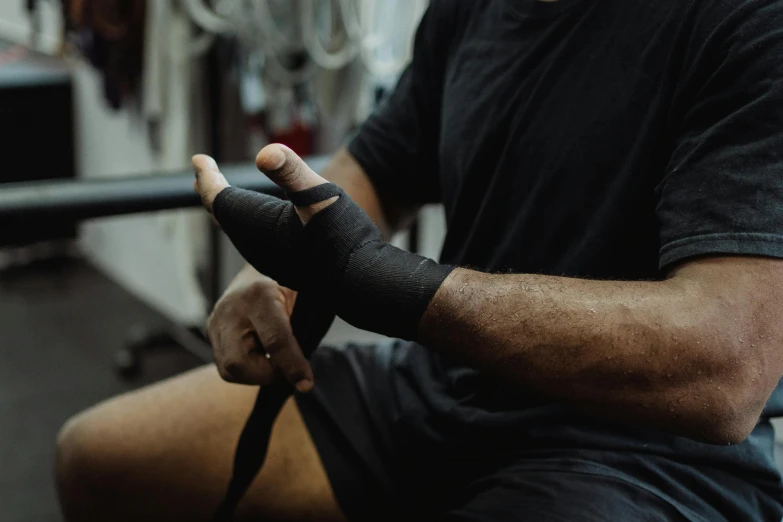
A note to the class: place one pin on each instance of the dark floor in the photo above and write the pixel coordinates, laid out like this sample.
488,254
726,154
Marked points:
60,324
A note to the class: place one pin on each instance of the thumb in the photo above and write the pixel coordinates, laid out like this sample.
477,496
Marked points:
286,169
209,181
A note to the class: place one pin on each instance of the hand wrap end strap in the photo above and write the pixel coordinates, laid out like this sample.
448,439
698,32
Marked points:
316,194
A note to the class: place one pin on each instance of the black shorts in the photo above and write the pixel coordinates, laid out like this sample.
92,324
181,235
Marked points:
394,452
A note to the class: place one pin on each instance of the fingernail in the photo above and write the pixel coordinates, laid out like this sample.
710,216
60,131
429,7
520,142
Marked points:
304,386
276,159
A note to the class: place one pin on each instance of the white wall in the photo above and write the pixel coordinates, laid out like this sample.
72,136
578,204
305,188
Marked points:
154,256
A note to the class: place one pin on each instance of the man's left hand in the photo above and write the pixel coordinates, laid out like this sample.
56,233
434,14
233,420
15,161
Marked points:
278,162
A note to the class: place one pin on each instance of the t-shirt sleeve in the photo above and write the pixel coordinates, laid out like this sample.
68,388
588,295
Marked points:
398,145
723,189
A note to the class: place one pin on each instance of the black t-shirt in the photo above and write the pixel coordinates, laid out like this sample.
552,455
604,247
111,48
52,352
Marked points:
599,139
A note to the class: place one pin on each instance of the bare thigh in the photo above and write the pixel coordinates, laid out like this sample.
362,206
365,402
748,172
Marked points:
165,452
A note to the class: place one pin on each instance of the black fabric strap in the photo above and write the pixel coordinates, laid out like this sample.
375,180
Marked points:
311,319
374,285
311,196
250,453
264,229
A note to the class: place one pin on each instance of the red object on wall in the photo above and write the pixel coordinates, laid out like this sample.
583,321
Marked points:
298,137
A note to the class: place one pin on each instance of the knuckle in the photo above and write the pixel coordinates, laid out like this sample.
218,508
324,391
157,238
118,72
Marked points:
249,342
226,376
232,370
232,367
219,312
217,327
290,173
211,324
274,342
258,290
288,360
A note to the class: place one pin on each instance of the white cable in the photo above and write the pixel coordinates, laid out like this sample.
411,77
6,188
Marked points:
241,14
274,44
206,19
253,22
200,44
351,20
371,43
274,39
282,75
372,40
359,41
323,58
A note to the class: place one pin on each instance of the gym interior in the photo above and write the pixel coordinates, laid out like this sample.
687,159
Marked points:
109,265
108,268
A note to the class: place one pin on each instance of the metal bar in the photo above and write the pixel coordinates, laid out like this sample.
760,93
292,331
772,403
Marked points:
214,282
81,199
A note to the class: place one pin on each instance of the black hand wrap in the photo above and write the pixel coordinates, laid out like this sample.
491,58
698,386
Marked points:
372,284
264,229
375,285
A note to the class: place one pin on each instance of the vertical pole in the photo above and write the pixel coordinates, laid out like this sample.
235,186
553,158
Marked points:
215,273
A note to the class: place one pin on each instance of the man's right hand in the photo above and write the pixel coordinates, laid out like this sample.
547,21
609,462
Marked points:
251,336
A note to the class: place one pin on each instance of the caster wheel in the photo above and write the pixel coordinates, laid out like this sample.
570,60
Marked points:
127,363
127,360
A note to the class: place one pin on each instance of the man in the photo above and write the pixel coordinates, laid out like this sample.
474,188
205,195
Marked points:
612,173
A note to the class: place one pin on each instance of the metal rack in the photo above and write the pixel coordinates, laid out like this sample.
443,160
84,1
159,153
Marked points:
77,200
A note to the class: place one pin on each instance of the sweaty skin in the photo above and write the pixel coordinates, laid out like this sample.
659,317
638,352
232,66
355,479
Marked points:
696,354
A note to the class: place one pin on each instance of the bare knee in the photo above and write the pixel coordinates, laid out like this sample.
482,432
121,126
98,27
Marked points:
72,462
82,470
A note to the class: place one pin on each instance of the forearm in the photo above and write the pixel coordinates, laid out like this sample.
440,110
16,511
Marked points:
698,353
640,351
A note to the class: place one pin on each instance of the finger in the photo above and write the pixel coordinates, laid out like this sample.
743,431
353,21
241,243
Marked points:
292,174
274,332
209,181
252,368
286,169
240,358
211,215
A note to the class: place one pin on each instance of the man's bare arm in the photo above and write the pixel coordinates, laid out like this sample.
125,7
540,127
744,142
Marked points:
697,354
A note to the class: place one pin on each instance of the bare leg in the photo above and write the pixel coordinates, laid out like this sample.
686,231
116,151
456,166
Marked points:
165,453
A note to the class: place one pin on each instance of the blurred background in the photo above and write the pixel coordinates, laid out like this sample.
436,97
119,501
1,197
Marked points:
107,268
